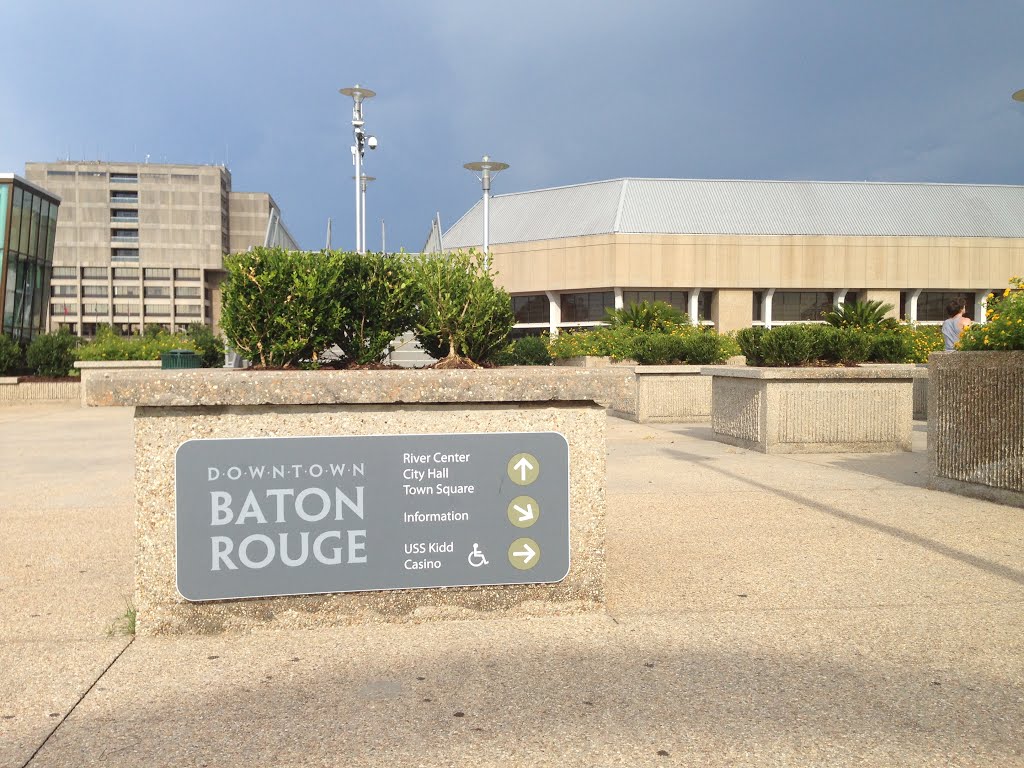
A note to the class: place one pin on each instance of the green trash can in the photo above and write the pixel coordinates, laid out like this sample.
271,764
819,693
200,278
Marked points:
179,358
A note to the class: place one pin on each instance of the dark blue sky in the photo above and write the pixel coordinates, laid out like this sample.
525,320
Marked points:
565,92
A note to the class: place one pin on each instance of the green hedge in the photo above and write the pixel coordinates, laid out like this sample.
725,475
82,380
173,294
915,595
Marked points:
107,345
52,354
12,356
809,344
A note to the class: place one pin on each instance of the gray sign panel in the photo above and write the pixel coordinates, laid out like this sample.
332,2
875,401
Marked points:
307,515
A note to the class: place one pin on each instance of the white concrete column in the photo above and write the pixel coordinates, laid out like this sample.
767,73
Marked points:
981,306
766,307
554,311
912,305
694,304
618,298
839,297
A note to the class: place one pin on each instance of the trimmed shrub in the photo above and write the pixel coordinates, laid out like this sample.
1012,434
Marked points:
1004,326
658,348
893,347
209,346
382,300
280,307
530,350
52,354
789,345
463,317
705,348
845,345
749,341
11,355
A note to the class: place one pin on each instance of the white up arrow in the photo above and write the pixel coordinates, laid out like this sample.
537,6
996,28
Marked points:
524,514
523,466
527,553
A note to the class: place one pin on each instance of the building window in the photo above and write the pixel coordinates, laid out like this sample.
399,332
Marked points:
92,174
186,274
60,173
126,309
157,292
94,273
531,309
931,305
676,299
187,309
94,309
124,215
126,273
124,198
63,308
156,273
124,254
124,235
63,290
800,305
186,292
158,309
586,307
704,299
95,291
124,178
756,310
65,273
89,329
852,297
129,291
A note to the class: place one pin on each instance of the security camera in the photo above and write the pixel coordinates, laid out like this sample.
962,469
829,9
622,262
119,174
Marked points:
371,142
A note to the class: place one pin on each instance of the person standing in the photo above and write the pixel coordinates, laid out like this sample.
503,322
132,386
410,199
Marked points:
954,323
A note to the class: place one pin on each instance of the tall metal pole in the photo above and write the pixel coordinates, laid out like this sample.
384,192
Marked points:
359,200
359,95
485,168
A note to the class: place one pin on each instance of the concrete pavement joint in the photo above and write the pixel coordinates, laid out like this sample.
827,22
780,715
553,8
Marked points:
75,705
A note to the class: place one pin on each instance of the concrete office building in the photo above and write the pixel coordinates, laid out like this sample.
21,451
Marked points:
737,253
28,226
141,243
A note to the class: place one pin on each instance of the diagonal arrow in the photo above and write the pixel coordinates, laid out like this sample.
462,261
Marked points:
524,514
523,466
527,553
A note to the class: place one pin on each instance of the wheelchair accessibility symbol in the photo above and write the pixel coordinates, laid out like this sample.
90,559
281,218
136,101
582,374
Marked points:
476,557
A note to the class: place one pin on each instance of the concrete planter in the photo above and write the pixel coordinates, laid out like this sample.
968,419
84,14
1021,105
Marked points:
812,410
97,370
670,393
920,373
976,425
13,392
172,407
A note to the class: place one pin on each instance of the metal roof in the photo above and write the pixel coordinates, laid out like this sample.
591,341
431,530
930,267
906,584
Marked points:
733,207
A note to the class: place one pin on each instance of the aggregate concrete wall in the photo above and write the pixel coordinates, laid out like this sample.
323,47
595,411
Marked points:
672,393
11,392
976,425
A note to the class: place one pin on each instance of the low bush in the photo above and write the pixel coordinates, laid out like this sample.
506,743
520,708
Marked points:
107,345
658,348
846,345
706,347
789,345
749,342
530,350
12,357
603,341
52,354
208,346
893,347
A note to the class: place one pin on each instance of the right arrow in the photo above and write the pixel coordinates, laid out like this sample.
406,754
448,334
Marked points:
523,466
527,553
524,514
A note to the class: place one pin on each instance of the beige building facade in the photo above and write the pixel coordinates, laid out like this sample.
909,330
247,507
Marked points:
140,243
739,253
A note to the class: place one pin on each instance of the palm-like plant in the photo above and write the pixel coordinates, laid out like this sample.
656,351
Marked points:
869,315
654,316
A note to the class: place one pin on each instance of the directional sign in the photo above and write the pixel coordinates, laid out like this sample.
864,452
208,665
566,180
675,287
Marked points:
307,515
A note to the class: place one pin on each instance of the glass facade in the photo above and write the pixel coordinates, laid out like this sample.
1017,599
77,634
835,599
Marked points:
931,305
534,308
587,307
28,224
800,305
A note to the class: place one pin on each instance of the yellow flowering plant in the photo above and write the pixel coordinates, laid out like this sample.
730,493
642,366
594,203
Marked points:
1003,328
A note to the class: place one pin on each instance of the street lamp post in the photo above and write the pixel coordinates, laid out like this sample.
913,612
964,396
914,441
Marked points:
486,168
362,141
362,209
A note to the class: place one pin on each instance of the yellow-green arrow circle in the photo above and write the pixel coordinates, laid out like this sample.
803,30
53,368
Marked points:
524,554
523,468
523,511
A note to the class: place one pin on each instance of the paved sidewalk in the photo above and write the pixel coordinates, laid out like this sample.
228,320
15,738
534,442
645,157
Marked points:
763,611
